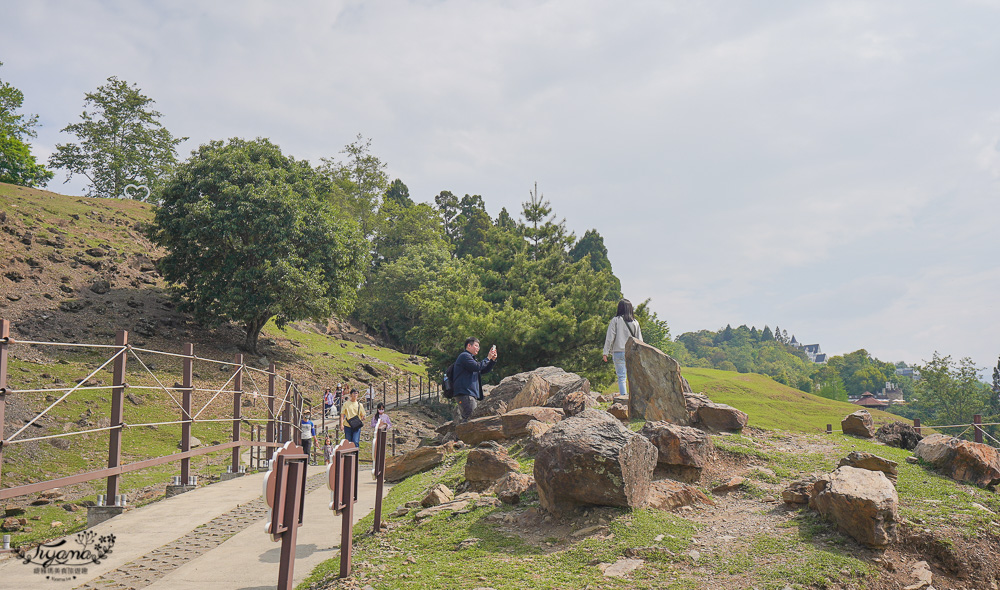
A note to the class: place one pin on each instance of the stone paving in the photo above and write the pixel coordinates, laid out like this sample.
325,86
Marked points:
148,569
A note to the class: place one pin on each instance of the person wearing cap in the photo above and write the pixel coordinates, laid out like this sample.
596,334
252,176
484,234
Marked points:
308,430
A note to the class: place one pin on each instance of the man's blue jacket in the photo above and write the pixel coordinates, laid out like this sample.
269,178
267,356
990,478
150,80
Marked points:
467,374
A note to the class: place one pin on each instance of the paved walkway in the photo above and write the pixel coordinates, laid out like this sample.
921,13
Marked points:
210,537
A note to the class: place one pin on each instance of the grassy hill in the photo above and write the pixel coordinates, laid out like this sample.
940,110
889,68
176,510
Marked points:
772,405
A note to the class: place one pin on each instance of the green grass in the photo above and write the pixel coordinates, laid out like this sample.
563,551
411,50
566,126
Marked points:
767,402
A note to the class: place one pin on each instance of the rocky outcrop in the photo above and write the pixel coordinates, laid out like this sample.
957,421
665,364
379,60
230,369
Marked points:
488,462
898,434
961,460
499,399
681,449
671,495
417,460
591,459
862,503
581,385
513,424
859,424
656,391
511,486
863,460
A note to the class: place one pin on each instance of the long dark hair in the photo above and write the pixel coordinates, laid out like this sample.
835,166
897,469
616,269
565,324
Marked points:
625,310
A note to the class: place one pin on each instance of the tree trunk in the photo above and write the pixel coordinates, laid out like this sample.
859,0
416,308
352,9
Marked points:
253,328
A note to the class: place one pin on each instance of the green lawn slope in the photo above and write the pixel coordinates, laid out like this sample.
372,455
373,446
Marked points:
771,405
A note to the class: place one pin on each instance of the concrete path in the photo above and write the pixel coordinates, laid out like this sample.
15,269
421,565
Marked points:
210,537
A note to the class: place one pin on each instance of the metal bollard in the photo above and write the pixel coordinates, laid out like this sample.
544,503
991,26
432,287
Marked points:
6,542
100,499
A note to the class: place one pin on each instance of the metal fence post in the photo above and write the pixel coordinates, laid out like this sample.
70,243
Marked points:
916,425
287,411
420,388
187,383
117,413
829,428
409,389
977,420
397,392
237,411
4,344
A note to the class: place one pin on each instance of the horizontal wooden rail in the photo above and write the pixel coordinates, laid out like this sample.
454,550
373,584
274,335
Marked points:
101,473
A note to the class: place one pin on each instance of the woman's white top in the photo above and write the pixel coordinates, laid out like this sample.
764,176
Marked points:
618,334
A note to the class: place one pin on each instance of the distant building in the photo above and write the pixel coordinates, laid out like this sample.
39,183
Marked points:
868,400
812,351
908,372
891,393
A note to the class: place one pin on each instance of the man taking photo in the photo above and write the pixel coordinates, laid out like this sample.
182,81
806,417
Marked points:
468,381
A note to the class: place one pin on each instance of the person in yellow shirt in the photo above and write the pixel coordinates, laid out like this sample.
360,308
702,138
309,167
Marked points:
352,418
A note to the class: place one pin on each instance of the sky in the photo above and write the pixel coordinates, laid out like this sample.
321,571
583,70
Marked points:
830,168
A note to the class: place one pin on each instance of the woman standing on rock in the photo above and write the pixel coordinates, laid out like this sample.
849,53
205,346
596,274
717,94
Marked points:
620,328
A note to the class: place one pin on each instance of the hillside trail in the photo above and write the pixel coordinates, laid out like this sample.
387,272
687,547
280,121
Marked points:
211,537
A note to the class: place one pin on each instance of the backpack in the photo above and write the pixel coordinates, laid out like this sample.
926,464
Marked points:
448,383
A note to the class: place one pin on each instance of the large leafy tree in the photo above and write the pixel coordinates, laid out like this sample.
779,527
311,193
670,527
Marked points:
120,141
363,182
17,164
951,392
250,237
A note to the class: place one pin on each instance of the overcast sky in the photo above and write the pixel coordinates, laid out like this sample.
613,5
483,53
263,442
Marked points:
831,168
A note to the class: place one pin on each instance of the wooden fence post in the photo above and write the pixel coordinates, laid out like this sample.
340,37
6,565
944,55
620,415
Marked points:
977,420
188,385
4,344
287,412
237,411
916,425
271,376
117,414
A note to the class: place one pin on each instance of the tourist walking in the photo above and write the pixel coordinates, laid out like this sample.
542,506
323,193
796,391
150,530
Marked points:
308,431
328,402
352,416
468,372
620,328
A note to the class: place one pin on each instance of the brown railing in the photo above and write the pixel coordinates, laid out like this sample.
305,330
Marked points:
284,405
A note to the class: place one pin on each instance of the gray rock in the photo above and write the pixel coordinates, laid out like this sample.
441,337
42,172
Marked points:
656,391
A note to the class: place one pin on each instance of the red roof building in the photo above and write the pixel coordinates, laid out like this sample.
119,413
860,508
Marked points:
868,400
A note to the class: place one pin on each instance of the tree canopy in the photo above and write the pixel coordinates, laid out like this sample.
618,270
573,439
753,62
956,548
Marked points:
120,141
17,164
250,237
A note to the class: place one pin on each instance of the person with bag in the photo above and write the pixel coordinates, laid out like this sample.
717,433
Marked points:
352,416
468,384
327,402
620,328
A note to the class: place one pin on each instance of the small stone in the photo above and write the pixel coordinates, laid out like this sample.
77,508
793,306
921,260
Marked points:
56,523
658,538
622,568
694,554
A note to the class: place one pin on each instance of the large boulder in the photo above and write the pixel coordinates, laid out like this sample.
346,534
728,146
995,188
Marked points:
417,460
898,434
513,424
863,460
499,399
859,423
534,393
862,503
489,462
708,415
961,460
679,446
591,459
656,391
